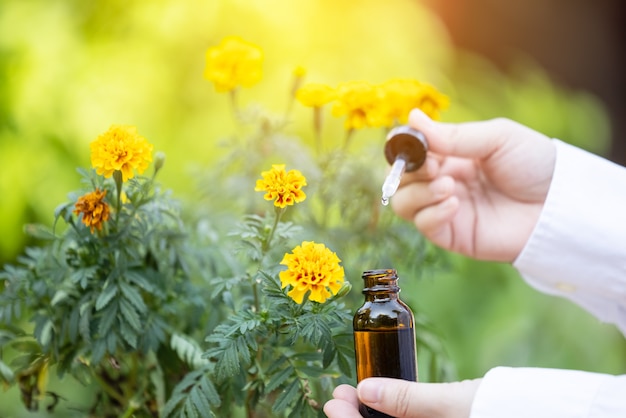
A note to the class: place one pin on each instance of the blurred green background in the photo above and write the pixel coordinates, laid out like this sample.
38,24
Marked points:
69,69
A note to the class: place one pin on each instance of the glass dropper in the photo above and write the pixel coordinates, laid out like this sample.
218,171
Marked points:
405,150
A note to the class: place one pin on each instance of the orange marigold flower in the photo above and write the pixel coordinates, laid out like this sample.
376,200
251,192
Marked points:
313,268
360,102
122,149
232,63
315,94
283,187
94,209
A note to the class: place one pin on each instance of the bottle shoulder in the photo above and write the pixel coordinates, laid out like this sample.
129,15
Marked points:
383,314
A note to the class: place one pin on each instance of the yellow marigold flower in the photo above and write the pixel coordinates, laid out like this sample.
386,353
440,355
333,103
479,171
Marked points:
401,96
299,71
431,101
122,149
360,102
312,268
315,94
283,187
232,63
94,209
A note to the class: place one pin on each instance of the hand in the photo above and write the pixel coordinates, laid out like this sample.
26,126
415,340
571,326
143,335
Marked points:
403,399
482,187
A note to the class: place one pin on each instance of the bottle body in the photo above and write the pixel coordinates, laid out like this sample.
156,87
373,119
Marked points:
384,333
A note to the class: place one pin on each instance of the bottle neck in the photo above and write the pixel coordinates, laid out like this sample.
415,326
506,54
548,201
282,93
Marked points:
380,285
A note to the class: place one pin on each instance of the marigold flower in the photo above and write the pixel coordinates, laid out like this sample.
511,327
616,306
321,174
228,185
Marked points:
283,187
431,101
94,209
360,102
122,149
232,63
315,94
401,96
313,268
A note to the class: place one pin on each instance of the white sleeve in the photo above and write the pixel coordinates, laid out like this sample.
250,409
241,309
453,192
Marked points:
578,247
549,393
577,250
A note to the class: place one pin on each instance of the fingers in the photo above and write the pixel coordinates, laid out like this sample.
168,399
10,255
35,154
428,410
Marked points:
346,393
415,196
471,140
338,408
345,403
404,399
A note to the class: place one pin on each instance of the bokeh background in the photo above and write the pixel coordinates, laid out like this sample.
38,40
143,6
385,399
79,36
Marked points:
71,68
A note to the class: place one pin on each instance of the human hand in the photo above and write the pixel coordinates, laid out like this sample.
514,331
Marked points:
403,399
481,188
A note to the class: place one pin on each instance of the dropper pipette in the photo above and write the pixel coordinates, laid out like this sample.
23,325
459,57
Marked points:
393,180
405,150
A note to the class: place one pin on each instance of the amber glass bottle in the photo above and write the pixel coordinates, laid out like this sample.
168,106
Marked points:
384,333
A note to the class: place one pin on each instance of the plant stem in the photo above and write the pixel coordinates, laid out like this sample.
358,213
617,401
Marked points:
278,214
117,176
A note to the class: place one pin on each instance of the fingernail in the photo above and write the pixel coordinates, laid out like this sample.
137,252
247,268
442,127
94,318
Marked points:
369,391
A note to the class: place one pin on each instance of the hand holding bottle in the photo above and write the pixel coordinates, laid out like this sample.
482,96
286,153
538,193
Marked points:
403,399
482,187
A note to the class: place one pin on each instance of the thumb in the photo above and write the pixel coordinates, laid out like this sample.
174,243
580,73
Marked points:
477,140
404,399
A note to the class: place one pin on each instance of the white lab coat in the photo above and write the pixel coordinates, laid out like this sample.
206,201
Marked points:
578,251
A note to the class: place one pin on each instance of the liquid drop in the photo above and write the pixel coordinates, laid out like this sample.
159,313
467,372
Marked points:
384,201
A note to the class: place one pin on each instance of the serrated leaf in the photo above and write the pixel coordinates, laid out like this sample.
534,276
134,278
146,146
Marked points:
133,296
198,398
107,294
172,404
209,390
59,296
129,334
187,350
279,378
130,315
286,397
138,279
107,318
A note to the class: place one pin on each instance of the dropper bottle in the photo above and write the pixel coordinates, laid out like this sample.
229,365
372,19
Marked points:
405,151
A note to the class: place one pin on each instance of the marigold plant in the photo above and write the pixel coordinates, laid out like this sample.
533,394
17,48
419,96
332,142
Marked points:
226,305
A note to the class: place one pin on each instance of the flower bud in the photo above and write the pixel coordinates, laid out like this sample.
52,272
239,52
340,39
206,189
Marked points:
159,160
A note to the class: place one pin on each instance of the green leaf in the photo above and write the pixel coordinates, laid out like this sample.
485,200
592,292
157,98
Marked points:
279,378
187,350
108,293
193,396
59,296
198,398
39,232
107,318
6,374
83,275
45,334
130,315
288,396
129,334
133,296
